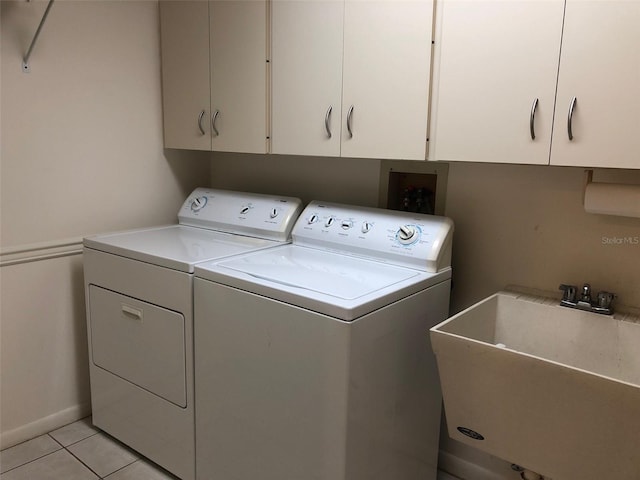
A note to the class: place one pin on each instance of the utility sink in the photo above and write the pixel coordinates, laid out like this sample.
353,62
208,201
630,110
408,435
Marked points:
549,388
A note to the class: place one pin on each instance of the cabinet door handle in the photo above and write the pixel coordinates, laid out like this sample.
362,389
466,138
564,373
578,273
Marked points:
572,106
326,121
349,115
132,312
214,117
200,122
532,119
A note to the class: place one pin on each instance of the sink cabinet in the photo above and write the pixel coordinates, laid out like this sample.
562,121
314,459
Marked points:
214,75
496,69
351,78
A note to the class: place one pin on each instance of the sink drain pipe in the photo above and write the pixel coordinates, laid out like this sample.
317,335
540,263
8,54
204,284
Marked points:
529,475
526,474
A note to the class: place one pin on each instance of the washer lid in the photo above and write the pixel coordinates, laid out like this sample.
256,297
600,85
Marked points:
335,284
178,247
346,277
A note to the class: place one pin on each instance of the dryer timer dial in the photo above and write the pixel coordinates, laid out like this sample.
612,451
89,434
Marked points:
198,203
407,234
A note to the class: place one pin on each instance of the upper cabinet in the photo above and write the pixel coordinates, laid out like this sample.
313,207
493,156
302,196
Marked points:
351,78
496,70
495,79
306,77
214,75
386,78
600,69
184,28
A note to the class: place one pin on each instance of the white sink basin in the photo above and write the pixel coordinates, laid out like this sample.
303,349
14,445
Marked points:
552,389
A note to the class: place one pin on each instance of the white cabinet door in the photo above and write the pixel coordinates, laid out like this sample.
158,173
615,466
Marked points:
184,27
306,76
493,60
600,67
238,36
387,66
214,64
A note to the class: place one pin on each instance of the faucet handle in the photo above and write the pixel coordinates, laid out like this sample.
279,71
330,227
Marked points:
604,299
570,292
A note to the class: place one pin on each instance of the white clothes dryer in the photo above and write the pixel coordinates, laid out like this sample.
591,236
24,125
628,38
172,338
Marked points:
312,360
139,297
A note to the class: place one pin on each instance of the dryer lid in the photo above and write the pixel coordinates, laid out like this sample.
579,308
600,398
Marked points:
178,247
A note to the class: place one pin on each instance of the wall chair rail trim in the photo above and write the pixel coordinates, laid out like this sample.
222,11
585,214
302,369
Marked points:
40,251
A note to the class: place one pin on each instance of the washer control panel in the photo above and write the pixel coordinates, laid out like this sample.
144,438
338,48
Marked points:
250,214
403,238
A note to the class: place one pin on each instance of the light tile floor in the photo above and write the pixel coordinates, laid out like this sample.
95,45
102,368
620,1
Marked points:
79,451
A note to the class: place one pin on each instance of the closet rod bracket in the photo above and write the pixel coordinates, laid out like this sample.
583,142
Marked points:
25,59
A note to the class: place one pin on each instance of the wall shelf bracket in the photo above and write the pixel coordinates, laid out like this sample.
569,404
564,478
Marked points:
25,60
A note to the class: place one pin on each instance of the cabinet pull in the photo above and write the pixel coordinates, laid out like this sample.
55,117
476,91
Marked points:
532,119
131,312
349,115
572,105
326,121
200,122
214,117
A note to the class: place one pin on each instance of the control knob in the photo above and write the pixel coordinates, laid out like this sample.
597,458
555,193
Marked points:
329,221
312,219
198,203
273,213
407,234
366,226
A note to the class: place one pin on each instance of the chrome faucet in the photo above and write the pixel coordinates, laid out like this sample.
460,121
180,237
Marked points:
602,304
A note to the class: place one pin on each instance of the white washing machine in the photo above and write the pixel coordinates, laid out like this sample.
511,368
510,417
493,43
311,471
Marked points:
313,361
139,296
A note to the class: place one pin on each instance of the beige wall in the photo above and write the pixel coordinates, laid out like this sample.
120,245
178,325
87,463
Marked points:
81,134
525,225
515,224
81,153
308,178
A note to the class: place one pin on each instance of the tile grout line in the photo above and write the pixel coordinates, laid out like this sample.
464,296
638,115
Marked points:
82,463
34,460
25,441
81,440
122,468
138,457
66,448
53,438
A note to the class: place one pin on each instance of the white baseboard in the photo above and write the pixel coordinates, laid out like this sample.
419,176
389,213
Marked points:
466,470
43,425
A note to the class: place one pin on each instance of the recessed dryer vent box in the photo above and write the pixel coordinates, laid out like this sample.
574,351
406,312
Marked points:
413,186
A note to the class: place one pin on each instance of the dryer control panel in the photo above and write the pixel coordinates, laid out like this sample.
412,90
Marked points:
401,238
251,214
